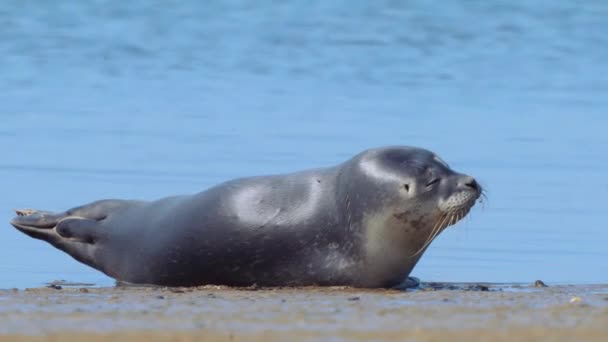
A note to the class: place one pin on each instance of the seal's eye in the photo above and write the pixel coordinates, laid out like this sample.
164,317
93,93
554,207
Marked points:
432,182
406,187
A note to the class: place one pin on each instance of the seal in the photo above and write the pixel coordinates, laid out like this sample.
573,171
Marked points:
363,223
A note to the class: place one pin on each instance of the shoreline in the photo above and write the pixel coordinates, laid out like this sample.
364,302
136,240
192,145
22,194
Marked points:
498,313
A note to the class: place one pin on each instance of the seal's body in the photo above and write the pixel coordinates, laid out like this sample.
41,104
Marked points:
363,223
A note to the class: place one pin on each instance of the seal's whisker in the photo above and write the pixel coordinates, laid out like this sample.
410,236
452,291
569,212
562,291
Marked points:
449,222
438,228
464,213
483,198
425,241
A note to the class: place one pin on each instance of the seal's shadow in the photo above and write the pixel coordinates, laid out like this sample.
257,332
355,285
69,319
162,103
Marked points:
455,286
414,284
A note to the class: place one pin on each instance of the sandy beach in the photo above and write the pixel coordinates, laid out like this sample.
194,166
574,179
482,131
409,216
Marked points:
435,312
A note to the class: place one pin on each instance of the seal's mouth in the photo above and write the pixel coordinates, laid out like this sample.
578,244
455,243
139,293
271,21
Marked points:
458,206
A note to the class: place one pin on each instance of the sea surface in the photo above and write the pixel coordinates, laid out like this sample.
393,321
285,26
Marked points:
144,99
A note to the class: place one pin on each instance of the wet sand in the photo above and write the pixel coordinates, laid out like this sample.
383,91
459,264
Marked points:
436,312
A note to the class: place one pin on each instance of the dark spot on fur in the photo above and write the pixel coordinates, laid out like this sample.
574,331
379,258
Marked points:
401,216
417,224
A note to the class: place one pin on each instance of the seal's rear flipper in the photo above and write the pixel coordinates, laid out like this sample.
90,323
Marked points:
72,234
37,224
50,226
78,222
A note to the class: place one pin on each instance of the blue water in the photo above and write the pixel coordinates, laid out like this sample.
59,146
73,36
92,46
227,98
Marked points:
144,99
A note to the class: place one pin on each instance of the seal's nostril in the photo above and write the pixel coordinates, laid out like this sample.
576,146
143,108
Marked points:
472,183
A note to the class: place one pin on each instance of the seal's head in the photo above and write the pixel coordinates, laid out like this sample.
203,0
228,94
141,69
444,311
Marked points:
432,191
406,197
418,183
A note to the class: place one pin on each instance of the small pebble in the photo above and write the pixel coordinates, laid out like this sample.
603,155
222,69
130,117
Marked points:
576,300
353,298
55,287
84,290
160,297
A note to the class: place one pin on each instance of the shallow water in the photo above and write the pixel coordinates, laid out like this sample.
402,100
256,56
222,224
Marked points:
143,100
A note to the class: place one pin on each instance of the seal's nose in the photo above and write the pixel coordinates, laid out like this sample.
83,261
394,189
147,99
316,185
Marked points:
469,182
